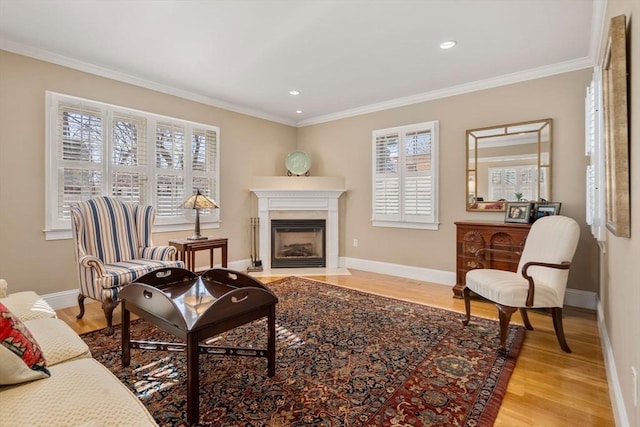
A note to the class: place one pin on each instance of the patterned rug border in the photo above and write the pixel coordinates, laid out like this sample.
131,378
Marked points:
487,404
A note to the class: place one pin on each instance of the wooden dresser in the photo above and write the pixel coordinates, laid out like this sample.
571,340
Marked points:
474,235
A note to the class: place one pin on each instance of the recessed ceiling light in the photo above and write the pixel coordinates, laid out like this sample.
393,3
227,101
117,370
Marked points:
448,44
294,92
299,111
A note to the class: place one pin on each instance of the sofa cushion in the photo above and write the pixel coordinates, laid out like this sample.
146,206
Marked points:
59,343
28,305
21,358
81,392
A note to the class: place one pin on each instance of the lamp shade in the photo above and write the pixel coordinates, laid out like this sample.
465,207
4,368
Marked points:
199,201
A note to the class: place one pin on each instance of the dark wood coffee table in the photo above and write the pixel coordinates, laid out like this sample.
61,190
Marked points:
194,308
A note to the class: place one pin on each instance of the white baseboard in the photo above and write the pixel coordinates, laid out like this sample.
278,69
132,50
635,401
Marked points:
573,297
581,299
62,299
615,392
416,273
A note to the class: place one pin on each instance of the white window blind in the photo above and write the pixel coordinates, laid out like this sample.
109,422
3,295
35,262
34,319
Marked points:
129,154
595,150
100,149
405,176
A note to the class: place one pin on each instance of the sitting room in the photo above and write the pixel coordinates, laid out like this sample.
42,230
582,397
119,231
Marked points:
435,198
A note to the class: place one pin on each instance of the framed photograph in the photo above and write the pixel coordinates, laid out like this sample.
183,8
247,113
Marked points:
546,209
616,129
518,212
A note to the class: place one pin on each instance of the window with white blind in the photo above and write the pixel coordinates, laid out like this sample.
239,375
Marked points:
595,151
405,176
96,149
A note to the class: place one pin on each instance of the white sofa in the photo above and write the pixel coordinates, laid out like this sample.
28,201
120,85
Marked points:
79,391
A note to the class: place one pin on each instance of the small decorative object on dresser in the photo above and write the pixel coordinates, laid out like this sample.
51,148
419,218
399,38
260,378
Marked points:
518,212
545,209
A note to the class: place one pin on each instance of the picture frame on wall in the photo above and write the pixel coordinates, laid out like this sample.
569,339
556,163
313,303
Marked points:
616,129
519,212
545,209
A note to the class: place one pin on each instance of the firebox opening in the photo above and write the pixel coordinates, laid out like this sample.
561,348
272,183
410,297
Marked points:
298,243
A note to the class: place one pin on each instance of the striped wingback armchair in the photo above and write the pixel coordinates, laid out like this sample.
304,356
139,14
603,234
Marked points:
113,248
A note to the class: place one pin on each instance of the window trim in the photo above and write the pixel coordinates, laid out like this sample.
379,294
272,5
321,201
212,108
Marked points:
59,228
433,224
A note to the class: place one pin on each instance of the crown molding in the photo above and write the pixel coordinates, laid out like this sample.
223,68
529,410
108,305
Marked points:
65,61
563,67
535,73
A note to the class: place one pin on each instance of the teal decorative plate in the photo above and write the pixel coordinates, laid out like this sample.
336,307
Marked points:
298,163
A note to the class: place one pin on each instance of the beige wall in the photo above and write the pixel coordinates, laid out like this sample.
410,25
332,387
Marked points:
620,284
343,147
28,262
252,146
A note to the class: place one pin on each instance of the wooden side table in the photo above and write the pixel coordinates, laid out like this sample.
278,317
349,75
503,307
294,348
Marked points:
187,250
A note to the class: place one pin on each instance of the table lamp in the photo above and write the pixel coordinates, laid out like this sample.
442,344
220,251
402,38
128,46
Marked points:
198,201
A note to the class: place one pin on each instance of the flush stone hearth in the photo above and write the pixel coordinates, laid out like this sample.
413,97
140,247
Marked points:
292,197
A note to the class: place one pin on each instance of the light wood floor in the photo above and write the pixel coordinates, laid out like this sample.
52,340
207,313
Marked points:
548,387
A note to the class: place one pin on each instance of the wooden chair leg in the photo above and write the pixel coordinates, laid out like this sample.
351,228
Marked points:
556,312
81,305
525,318
504,313
108,306
466,293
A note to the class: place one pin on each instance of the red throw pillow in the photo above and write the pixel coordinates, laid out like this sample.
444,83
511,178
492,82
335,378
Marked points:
21,358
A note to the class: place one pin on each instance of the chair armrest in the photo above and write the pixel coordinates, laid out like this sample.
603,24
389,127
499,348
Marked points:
562,266
482,251
90,261
159,253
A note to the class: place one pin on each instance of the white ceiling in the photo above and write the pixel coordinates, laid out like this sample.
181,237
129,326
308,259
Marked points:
346,57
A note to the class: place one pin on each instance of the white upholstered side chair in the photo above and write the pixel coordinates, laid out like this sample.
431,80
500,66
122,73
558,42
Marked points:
113,247
539,282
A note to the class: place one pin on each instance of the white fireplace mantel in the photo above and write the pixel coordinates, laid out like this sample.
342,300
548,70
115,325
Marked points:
298,196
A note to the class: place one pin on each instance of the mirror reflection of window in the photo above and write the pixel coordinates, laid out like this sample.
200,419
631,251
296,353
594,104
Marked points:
509,163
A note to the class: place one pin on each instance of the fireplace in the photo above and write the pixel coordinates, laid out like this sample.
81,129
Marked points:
298,198
298,243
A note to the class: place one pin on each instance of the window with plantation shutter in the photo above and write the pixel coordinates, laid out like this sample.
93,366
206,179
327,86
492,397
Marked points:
100,149
405,176
595,151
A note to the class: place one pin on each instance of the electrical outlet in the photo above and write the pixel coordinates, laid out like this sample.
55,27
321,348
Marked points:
355,243
634,385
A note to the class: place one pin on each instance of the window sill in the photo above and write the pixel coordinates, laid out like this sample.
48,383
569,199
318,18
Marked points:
65,234
412,225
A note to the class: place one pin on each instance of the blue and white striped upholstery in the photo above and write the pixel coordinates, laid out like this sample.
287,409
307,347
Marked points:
114,246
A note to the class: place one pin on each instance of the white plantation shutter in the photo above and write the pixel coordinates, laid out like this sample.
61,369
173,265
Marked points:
405,176
170,169
129,158
204,166
595,150
79,155
386,196
100,149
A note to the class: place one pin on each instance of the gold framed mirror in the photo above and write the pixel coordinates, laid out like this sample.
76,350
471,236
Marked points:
508,163
616,129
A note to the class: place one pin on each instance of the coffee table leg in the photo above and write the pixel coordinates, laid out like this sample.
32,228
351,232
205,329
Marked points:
126,349
271,344
193,386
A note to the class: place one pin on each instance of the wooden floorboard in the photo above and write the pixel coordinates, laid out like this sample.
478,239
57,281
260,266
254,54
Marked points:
548,387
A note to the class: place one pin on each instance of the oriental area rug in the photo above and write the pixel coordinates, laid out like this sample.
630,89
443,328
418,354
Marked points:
344,358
